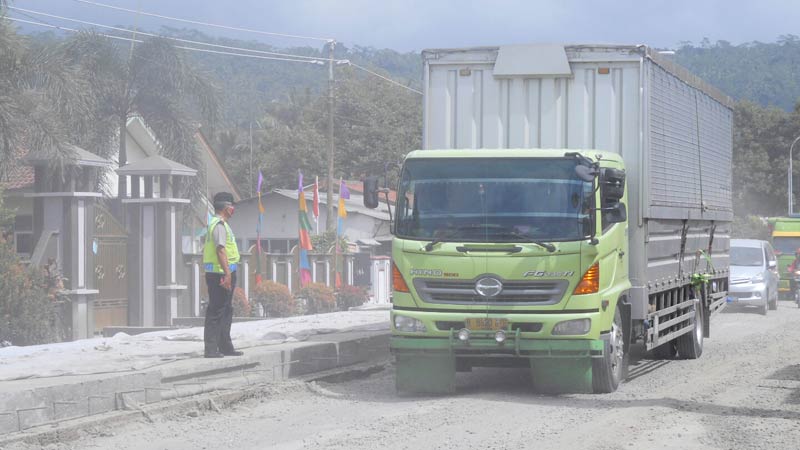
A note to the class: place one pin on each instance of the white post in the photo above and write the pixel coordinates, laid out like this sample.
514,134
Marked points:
791,178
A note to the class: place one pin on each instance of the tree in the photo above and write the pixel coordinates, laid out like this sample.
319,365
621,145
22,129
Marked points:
375,123
42,95
152,80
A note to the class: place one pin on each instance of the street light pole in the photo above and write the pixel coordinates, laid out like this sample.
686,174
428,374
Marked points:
791,180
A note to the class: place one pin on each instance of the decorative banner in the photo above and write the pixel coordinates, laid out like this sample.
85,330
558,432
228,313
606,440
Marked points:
315,204
344,194
258,228
304,233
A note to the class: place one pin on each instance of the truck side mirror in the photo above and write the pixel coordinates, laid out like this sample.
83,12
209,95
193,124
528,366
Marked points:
371,192
772,264
615,214
612,185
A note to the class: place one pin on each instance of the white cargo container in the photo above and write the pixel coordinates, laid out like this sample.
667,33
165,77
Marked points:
673,130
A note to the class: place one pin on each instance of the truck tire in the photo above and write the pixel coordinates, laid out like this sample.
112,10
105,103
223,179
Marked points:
612,368
690,345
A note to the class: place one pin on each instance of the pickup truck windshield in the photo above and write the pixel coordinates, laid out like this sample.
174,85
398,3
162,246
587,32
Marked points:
493,200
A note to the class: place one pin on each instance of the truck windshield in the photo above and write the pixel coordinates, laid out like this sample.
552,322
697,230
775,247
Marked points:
786,245
493,200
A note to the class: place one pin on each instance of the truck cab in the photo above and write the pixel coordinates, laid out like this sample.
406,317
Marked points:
510,257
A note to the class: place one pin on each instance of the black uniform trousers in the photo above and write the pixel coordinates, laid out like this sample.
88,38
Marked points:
219,314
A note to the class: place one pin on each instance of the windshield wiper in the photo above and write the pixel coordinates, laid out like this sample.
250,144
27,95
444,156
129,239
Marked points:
545,245
508,232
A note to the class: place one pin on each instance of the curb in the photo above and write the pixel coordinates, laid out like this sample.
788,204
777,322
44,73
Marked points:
56,405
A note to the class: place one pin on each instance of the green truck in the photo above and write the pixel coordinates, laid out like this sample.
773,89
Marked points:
785,233
569,201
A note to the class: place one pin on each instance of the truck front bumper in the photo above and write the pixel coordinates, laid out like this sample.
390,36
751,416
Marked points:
482,344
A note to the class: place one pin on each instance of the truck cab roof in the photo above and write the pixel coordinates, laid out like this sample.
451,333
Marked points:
514,153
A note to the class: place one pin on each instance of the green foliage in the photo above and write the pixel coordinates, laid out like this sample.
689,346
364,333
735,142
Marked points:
765,73
761,142
350,296
29,298
318,298
241,306
153,80
42,99
325,241
275,298
750,227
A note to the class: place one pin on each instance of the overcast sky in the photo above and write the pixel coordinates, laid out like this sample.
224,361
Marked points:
416,24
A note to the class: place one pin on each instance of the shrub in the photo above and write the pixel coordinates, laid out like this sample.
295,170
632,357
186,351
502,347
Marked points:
27,312
275,298
350,296
318,298
241,306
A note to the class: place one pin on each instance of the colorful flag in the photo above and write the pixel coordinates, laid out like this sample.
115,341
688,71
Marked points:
258,228
305,229
315,205
305,268
305,225
344,194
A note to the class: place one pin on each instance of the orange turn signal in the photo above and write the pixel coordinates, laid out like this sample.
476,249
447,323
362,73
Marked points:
590,282
398,283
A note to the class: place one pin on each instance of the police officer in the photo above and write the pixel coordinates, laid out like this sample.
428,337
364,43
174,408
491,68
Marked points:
220,258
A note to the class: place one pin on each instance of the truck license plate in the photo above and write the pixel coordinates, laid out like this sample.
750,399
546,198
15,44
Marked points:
486,324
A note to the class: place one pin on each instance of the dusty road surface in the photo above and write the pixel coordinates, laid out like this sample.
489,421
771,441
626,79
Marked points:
744,393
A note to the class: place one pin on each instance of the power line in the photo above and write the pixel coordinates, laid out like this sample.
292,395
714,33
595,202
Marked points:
383,77
195,49
188,41
195,22
282,56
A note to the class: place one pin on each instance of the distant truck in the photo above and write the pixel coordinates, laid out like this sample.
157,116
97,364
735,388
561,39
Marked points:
785,232
570,201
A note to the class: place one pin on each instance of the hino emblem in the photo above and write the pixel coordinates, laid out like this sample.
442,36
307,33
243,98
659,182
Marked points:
488,287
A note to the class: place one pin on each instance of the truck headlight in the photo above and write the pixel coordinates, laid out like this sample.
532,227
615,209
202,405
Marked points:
757,278
572,327
408,324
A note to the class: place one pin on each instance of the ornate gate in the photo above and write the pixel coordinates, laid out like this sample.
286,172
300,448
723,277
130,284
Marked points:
111,279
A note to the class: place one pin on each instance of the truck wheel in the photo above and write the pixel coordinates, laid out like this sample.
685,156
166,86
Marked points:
690,345
612,368
764,308
773,304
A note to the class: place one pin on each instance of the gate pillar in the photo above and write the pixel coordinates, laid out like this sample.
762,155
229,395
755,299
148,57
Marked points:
63,228
154,244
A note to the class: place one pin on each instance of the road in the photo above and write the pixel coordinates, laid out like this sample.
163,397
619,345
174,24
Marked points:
744,393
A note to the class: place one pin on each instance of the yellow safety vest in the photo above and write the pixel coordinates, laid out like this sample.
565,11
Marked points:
210,258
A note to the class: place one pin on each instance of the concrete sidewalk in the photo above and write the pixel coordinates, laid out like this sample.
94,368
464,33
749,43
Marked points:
85,378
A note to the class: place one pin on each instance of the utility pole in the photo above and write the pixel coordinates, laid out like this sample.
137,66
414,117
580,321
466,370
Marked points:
329,221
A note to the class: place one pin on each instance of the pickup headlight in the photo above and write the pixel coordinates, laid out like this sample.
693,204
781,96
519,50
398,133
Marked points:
408,324
573,327
757,278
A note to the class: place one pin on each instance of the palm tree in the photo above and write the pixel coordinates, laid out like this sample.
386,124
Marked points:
40,95
152,80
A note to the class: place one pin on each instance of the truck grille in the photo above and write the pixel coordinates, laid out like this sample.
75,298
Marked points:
527,292
738,280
